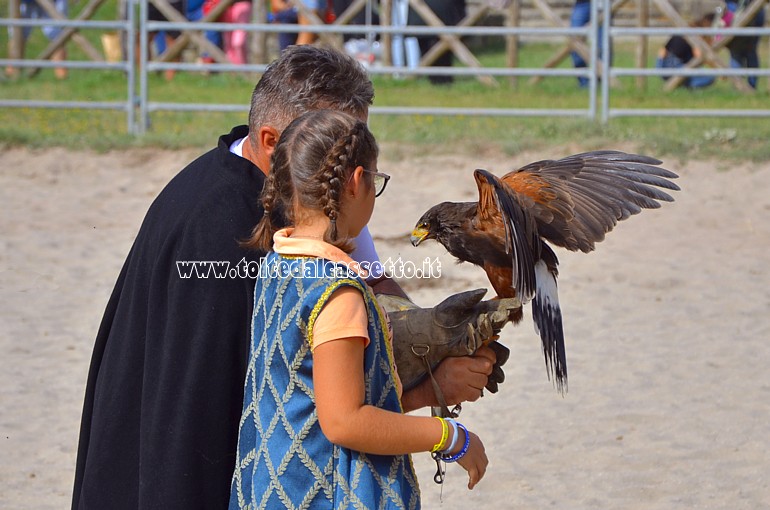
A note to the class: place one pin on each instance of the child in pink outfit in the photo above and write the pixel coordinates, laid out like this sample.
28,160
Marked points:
235,41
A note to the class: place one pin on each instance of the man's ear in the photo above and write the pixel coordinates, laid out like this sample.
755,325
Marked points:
267,137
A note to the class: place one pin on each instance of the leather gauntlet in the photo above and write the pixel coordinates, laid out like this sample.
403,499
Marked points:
458,326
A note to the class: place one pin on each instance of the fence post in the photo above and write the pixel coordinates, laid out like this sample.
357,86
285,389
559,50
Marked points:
16,42
130,55
593,44
144,115
258,40
513,20
643,13
386,12
606,24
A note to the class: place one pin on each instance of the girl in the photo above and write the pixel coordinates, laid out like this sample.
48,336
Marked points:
322,423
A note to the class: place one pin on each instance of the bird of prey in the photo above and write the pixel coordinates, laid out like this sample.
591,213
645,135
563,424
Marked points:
571,202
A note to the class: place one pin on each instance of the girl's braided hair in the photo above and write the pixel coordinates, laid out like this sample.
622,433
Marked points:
310,167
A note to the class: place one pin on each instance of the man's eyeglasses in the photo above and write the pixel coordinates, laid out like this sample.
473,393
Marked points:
380,181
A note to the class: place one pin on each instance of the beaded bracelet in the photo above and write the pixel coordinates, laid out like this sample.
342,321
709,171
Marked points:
454,436
459,455
444,436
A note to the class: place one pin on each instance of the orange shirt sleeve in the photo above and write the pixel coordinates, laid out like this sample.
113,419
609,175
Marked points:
343,316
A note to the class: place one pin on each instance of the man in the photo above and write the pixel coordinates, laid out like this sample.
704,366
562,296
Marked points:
165,388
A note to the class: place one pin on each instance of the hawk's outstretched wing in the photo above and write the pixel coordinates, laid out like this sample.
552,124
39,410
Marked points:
578,199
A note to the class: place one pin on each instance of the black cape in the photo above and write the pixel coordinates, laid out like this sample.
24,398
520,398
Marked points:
165,387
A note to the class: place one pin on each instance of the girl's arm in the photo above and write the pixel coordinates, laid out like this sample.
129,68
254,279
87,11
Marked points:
338,379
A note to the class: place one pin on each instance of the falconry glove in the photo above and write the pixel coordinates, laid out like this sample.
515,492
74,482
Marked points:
458,326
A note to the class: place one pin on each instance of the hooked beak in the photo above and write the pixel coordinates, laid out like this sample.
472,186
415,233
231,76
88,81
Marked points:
419,235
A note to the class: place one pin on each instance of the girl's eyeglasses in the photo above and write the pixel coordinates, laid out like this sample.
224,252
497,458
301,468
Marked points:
380,181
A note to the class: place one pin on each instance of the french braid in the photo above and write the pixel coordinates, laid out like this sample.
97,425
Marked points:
339,162
310,167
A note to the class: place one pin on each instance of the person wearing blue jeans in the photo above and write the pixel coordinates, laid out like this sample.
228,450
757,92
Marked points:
30,9
678,52
195,13
743,50
164,38
285,13
581,15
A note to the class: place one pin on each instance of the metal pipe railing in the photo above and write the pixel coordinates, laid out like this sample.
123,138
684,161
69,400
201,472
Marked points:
138,105
126,66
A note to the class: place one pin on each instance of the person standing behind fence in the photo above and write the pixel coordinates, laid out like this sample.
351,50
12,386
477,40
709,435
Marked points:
283,12
450,12
154,14
316,7
30,9
743,49
235,41
581,16
195,13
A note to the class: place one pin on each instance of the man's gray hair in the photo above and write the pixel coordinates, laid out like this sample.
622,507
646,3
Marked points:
306,78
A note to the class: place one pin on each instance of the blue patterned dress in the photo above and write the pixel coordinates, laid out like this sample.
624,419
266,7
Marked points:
283,458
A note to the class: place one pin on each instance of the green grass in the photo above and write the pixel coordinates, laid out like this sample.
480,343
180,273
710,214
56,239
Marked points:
730,138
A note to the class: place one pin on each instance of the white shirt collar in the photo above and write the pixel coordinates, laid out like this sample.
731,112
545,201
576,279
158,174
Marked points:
237,146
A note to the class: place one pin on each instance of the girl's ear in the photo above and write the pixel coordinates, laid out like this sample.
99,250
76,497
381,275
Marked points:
356,179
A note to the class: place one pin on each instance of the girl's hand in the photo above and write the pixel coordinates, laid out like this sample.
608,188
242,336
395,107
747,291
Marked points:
475,461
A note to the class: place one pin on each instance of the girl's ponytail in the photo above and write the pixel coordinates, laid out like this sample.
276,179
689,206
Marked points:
262,236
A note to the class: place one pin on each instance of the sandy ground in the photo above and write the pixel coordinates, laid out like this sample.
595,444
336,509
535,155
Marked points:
667,327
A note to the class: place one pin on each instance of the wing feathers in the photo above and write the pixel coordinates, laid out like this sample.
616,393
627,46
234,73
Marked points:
577,200
571,202
520,231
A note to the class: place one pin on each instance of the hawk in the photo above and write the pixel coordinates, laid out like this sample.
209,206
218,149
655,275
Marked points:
571,203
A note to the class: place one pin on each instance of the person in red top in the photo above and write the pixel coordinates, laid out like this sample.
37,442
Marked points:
235,42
